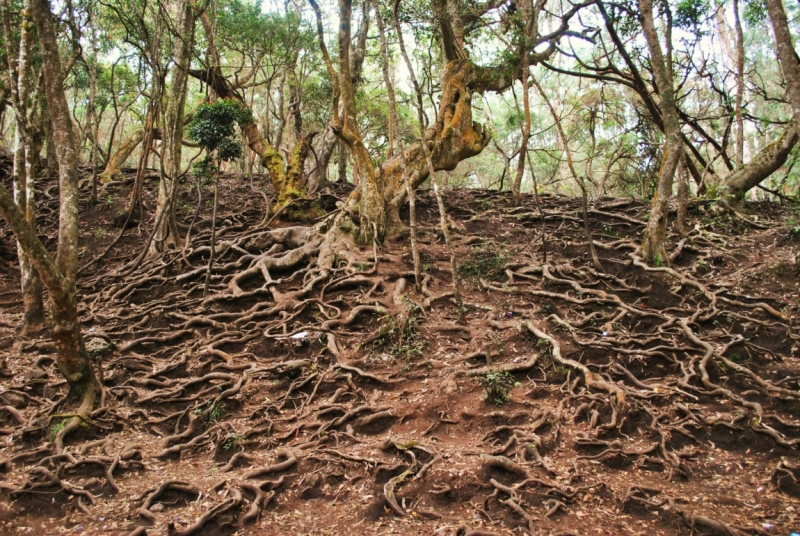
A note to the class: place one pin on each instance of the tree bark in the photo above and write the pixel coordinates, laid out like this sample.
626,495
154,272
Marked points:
737,106
73,360
24,161
653,250
765,163
393,127
166,234
113,170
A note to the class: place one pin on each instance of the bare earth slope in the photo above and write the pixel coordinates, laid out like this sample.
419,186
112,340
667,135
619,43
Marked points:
635,400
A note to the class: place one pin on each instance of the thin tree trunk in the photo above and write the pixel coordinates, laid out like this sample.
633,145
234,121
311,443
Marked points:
393,125
431,171
166,234
653,250
579,179
92,120
24,164
683,195
737,106
526,108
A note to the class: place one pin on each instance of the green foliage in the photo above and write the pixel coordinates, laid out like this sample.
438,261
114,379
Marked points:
399,335
55,428
755,12
485,263
213,126
690,13
231,442
497,386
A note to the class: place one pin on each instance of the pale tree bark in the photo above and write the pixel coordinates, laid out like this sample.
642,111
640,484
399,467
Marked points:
166,234
393,127
93,121
59,276
328,141
24,100
431,171
737,105
770,158
653,249
516,186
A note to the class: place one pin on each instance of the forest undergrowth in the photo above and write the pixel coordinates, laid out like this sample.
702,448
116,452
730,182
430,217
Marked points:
632,400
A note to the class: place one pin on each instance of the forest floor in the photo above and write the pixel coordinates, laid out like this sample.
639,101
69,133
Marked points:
569,400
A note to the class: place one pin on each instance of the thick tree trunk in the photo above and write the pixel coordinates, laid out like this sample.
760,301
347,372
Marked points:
317,167
24,182
73,360
21,88
764,164
653,249
453,138
113,170
166,234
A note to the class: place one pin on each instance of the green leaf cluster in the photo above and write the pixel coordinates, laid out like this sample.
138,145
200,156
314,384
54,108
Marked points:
213,126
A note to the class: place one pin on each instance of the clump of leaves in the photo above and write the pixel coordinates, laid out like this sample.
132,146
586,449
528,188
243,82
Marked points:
213,126
497,386
211,414
399,335
232,441
487,262
55,428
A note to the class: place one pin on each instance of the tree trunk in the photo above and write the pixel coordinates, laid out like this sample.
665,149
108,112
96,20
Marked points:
765,163
32,304
73,360
683,195
113,170
24,162
653,250
393,127
737,107
166,234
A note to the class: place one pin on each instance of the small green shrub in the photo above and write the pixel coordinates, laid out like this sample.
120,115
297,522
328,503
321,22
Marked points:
497,386
485,263
399,335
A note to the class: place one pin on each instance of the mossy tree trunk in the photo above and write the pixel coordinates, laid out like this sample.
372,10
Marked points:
113,169
287,178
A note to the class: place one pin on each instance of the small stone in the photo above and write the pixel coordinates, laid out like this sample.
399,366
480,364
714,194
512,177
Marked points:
97,346
158,507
